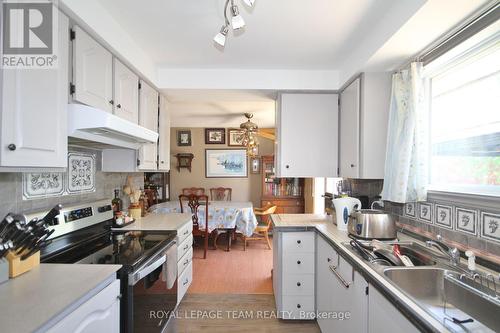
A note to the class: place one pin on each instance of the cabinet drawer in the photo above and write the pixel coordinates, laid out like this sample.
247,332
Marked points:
184,247
298,307
184,262
326,253
298,263
298,284
184,231
184,281
298,242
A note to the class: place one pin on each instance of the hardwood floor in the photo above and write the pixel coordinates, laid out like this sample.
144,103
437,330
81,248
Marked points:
234,272
234,314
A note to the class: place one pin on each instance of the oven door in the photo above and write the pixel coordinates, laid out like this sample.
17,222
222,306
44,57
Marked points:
150,302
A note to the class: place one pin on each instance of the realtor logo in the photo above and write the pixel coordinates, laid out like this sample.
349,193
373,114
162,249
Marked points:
28,34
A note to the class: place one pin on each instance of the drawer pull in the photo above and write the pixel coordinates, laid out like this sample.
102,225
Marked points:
299,241
328,259
298,284
298,306
186,232
299,262
186,246
186,262
341,279
185,282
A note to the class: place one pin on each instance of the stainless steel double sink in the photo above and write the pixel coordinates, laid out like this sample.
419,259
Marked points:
458,300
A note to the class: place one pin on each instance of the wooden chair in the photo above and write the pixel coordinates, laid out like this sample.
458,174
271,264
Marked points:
194,202
193,190
262,229
220,193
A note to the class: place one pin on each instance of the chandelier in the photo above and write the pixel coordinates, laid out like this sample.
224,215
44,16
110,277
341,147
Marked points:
250,136
237,21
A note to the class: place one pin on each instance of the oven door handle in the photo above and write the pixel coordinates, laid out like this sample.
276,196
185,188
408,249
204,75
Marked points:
146,270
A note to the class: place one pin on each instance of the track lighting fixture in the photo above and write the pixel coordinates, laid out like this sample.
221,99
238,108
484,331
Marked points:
237,21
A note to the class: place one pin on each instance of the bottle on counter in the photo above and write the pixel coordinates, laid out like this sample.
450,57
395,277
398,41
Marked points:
116,203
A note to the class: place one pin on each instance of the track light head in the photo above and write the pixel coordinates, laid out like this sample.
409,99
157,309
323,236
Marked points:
237,21
220,38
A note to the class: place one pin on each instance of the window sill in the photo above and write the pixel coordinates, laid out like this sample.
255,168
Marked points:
489,202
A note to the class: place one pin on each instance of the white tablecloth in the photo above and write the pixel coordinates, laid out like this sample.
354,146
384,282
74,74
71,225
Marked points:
221,215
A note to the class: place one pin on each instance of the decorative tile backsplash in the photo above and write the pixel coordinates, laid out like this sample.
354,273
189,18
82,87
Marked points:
80,178
490,226
466,220
81,173
37,185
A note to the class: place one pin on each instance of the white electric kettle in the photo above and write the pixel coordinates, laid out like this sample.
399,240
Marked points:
343,208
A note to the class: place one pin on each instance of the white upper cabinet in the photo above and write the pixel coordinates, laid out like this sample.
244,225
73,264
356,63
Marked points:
33,130
164,136
349,130
92,72
148,117
307,135
126,93
364,113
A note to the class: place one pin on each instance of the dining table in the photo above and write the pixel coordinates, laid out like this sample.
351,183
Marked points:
228,216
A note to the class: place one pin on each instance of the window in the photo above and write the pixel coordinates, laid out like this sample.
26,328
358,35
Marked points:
465,116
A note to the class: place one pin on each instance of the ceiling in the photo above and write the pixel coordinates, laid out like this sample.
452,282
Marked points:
286,45
280,34
220,108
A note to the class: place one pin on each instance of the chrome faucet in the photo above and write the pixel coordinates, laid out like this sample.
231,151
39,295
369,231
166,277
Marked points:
452,253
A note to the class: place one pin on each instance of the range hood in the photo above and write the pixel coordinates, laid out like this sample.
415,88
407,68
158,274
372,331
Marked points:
91,127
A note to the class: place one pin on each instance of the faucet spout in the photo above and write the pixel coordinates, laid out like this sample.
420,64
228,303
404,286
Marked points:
452,253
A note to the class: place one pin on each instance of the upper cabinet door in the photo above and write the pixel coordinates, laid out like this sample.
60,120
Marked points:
126,93
148,117
349,130
307,135
164,136
92,72
33,130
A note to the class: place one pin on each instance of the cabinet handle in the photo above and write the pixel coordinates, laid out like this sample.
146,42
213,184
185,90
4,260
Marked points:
186,246
119,106
298,306
287,166
119,296
298,284
12,147
328,259
186,262
352,165
186,232
185,282
298,262
162,162
341,279
299,241
111,102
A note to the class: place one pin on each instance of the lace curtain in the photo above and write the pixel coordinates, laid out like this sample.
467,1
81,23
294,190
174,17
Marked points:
406,164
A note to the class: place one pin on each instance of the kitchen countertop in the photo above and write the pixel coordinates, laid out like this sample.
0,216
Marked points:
159,222
325,226
36,300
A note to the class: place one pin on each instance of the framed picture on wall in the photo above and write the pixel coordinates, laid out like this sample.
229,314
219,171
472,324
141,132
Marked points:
235,137
226,163
215,136
184,138
255,165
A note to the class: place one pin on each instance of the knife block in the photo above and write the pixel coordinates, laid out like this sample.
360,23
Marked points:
18,266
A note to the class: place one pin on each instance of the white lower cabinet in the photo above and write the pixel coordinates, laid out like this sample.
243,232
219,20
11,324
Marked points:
293,274
341,294
184,259
101,313
385,317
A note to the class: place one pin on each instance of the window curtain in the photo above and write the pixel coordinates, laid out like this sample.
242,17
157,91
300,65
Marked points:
407,156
